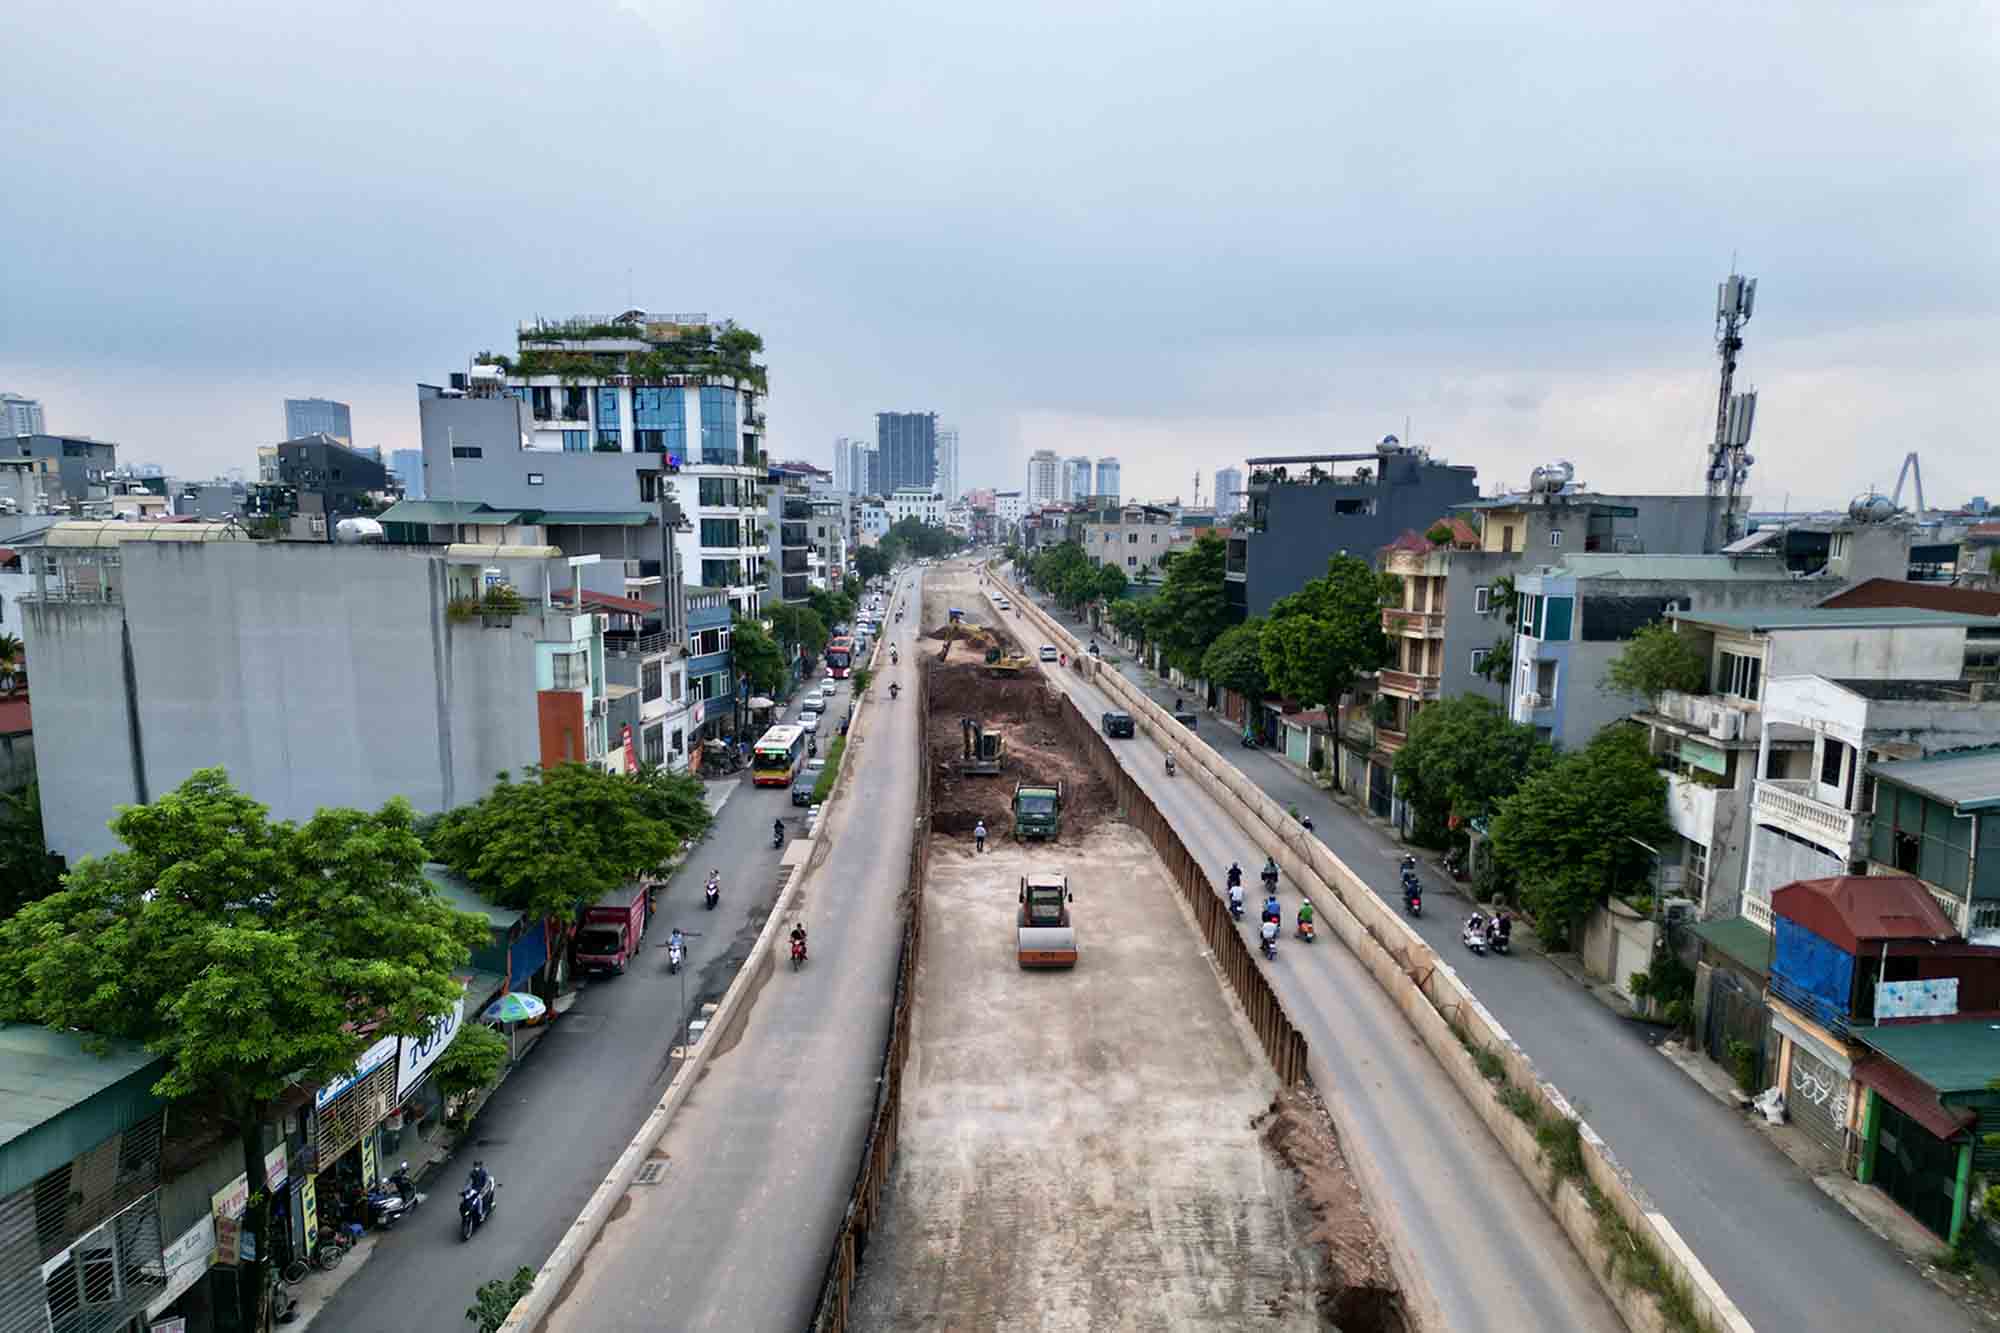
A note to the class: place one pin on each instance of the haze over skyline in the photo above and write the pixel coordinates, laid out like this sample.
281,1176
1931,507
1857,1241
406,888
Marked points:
1149,235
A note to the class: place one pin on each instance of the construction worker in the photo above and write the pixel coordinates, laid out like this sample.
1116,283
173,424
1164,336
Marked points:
979,836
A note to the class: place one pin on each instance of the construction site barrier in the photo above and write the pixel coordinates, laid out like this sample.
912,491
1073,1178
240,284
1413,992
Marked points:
878,1152
1283,1043
1446,1016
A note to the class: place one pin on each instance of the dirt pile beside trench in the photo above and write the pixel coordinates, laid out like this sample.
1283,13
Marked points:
1358,1290
1027,714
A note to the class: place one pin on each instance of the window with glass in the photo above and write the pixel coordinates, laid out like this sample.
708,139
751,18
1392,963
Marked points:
650,678
718,492
1742,675
721,532
575,403
576,441
542,403
572,671
607,420
718,425
655,748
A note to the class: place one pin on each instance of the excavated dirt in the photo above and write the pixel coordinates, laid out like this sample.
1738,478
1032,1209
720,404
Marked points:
1024,710
1357,1287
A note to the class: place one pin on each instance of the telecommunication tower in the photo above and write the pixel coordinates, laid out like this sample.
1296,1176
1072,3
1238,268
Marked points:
1729,458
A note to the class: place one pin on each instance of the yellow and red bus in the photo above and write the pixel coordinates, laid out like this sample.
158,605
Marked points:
778,755
840,657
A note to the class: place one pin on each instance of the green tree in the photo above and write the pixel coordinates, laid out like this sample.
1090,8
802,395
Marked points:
27,871
1567,834
557,839
13,662
1111,583
924,539
798,630
1499,663
754,655
253,955
1132,616
1235,661
851,585
1656,659
833,608
495,1300
1318,639
472,1061
1191,609
872,562
1462,757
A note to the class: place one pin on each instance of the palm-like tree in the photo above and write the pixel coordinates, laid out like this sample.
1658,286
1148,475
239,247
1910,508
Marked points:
13,657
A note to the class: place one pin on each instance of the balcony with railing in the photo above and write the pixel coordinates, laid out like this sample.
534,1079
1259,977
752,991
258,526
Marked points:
1791,804
1408,684
1414,624
1834,1017
1718,717
1388,740
620,644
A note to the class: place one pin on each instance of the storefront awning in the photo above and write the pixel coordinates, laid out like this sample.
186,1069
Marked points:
1910,1095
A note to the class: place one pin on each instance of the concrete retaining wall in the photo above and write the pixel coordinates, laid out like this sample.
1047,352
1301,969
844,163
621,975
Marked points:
1432,997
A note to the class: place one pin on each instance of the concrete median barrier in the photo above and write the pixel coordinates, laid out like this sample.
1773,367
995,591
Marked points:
1604,1212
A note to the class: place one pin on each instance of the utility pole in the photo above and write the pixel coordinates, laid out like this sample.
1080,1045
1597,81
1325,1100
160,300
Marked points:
1729,459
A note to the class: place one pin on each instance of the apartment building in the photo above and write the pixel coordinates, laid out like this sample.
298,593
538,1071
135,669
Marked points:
947,464
20,415
1045,482
81,465
906,450
319,416
1228,493
316,674
790,520
1135,538
1107,488
921,503
1075,484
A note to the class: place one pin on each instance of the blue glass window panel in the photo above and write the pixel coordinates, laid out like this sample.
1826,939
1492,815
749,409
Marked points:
607,408
576,441
718,425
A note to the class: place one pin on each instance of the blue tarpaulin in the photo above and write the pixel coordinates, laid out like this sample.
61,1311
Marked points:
527,956
1812,971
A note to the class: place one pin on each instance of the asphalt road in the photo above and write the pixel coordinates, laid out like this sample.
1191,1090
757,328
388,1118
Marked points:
554,1127
762,1155
1476,1247
1789,1256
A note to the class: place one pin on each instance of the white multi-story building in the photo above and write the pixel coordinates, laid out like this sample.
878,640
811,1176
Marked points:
843,464
1228,493
20,416
947,462
872,517
1044,478
1008,507
1107,480
1076,479
926,507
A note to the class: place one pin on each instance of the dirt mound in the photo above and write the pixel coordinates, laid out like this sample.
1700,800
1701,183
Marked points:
1027,714
1358,1290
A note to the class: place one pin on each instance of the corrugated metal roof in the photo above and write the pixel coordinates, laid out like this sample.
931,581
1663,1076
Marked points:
466,898
1838,617
48,1079
1966,782
591,518
1954,1056
1854,911
1742,939
446,511
1620,565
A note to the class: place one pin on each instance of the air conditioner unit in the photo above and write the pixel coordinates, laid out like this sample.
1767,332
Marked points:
1678,910
599,707
1725,724
1534,700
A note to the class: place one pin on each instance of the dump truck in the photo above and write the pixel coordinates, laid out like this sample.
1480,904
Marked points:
983,749
1037,810
1044,935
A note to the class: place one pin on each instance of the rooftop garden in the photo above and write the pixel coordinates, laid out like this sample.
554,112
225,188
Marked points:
723,350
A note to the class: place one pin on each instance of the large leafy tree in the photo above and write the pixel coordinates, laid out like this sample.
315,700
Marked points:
920,538
1111,583
556,839
798,629
755,656
1318,639
1191,610
1567,835
251,954
1462,757
27,871
1132,616
1656,659
872,562
1235,661
832,607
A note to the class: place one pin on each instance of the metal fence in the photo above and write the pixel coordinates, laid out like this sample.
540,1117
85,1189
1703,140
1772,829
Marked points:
878,1153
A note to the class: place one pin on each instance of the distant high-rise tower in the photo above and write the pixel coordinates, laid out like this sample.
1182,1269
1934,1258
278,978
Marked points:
20,416
1044,478
864,468
907,445
1107,479
408,467
843,464
318,416
947,463
1076,479
1228,491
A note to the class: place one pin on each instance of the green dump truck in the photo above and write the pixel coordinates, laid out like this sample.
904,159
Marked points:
1037,810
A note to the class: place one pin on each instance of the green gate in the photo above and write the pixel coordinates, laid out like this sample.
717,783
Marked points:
1915,1168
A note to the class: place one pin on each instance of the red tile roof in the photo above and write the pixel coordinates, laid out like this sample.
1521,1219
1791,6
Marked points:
1852,910
15,718
1930,596
1912,1096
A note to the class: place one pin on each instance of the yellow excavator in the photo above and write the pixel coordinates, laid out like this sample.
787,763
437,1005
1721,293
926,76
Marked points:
1045,936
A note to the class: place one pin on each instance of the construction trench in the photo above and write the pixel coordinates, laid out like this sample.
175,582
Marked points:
1111,1146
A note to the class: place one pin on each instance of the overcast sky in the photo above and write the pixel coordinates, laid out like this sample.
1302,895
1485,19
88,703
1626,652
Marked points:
1179,233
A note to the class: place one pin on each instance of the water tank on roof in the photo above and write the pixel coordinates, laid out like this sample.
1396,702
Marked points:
351,531
1871,507
1550,478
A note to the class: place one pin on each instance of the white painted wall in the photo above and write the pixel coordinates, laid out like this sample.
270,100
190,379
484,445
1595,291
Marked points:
1927,653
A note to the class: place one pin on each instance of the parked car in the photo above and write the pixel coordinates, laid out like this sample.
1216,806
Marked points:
802,788
1048,652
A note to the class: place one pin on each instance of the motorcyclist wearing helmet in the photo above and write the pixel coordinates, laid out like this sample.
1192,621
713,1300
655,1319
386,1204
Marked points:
1273,912
1235,874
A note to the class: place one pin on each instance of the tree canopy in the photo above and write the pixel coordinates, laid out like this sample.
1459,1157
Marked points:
1235,661
754,655
1657,659
797,628
27,871
872,562
253,954
1191,609
559,838
833,607
1462,757
1318,639
1567,834
915,537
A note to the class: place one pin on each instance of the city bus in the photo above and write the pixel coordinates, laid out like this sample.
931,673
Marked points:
840,657
776,760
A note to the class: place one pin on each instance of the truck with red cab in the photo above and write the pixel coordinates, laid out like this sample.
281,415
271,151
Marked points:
607,939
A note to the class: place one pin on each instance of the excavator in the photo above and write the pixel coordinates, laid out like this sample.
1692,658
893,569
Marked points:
1001,664
983,749
1045,937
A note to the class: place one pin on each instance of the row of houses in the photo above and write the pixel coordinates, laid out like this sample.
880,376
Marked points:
118,1212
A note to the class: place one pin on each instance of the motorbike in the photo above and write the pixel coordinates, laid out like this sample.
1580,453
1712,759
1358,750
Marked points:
1498,932
1249,741
1474,937
894,689
1306,822
778,836
1305,931
1270,945
1270,878
798,954
1236,908
475,1207
390,1201
712,892
674,956
1413,900
1170,765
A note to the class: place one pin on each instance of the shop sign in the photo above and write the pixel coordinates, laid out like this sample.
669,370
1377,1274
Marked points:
233,1198
309,1207
420,1053
228,1235
371,1059
183,1263
368,1168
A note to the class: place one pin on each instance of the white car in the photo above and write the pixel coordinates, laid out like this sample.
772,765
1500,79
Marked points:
1048,652
827,688
810,721
1003,604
